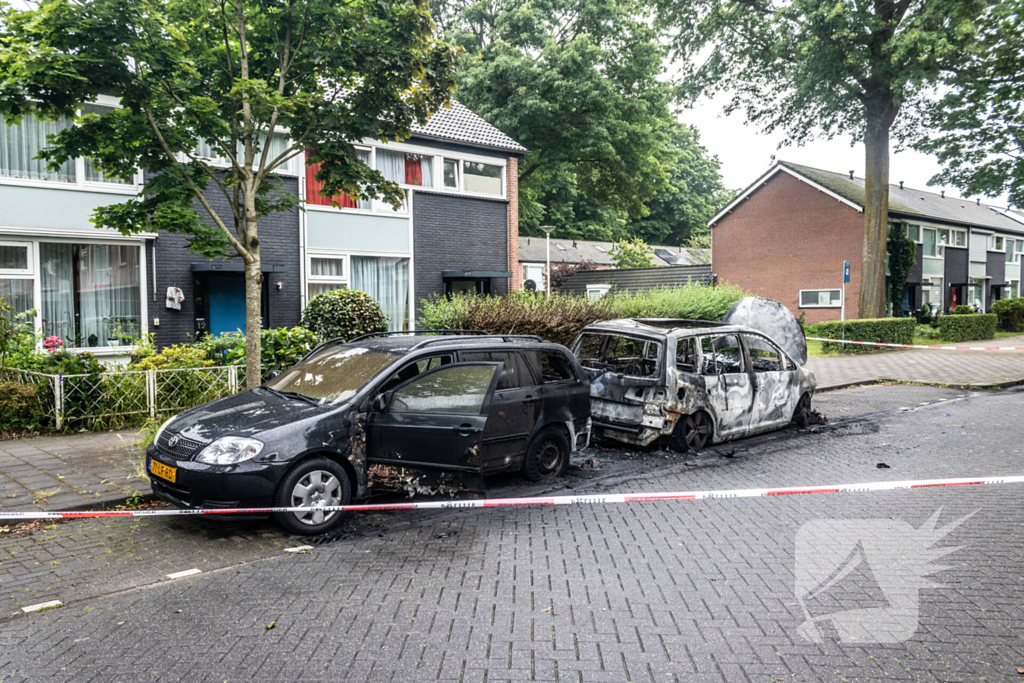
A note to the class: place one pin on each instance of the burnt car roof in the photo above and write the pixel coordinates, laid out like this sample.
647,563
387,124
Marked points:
667,327
403,344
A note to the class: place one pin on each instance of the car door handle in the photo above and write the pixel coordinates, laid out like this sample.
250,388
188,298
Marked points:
531,399
466,430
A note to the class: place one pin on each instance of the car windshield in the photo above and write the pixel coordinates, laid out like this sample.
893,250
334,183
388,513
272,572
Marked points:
333,374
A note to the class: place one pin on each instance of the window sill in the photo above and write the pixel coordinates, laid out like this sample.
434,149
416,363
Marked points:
97,188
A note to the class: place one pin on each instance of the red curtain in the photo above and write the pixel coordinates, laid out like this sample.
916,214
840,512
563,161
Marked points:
413,170
313,195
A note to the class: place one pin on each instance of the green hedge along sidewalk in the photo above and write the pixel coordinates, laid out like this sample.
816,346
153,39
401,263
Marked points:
971,327
880,330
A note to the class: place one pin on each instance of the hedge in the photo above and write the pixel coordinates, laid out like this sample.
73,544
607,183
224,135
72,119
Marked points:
344,313
1010,313
958,328
882,330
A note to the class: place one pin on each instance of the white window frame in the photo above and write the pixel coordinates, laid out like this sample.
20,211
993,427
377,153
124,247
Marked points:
346,279
993,246
327,279
800,300
600,290
19,273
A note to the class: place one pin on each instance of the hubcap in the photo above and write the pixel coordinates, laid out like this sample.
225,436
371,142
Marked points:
317,489
698,431
550,454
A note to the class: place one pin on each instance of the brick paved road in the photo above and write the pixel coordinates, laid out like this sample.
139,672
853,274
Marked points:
647,592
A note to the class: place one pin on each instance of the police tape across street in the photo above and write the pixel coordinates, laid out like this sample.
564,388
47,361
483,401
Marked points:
919,346
599,499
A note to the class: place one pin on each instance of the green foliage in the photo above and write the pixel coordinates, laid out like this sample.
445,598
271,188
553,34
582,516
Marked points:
902,254
926,332
977,130
221,349
560,318
22,406
958,328
883,330
175,357
283,347
344,313
17,333
962,310
560,272
1010,313
632,253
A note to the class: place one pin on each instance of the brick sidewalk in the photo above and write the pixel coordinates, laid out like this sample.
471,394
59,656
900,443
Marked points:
962,368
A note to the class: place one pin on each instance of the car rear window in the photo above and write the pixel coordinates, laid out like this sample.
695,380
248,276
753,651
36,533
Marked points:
333,374
511,372
626,355
552,366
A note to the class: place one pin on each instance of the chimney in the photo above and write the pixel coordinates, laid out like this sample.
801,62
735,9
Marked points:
901,184
574,244
943,194
979,201
851,175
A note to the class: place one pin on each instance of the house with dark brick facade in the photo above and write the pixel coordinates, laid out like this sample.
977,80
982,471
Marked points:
786,236
456,231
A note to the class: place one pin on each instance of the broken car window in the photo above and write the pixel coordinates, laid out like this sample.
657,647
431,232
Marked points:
764,357
590,349
634,357
461,390
686,356
334,373
412,369
722,355
552,367
509,378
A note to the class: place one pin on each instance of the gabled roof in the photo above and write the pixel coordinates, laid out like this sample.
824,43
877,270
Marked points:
533,250
458,124
903,202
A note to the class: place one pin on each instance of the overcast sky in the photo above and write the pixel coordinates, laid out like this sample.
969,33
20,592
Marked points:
745,152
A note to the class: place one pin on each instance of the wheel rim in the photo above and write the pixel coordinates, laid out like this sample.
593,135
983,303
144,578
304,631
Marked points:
698,431
317,489
549,457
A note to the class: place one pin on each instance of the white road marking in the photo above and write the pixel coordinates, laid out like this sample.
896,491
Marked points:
299,549
187,572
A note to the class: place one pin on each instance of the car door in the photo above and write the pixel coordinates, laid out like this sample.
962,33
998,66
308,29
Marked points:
513,410
565,397
775,385
424,436
727,383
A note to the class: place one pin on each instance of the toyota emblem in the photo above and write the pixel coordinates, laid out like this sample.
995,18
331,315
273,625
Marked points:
173,441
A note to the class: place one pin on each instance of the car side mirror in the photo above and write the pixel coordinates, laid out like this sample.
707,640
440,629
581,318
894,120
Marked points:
273,374
381,401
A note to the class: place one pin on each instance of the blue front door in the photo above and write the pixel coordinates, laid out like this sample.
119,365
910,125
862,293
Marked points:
227,302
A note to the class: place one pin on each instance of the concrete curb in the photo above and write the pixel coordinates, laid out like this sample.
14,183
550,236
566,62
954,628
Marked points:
930,383
103,503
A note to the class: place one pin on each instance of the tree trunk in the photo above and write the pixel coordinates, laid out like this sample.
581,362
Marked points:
876,214
253,311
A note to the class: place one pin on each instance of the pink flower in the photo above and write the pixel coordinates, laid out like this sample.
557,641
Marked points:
53,343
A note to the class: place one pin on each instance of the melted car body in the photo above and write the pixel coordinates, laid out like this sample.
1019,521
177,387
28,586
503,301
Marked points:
654,379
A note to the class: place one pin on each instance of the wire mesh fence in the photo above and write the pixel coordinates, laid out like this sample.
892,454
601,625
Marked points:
123,398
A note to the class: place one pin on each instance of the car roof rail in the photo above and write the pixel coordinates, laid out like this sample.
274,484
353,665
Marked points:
397,333
678,322
503,337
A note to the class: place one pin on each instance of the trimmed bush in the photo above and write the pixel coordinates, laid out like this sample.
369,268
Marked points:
1010,313
962,310
560,318
958,328
176,357
882,330
21,406
344,313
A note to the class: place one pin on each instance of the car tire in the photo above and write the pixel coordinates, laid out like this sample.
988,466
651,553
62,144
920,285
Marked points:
547,455
802,414
312,481
693,432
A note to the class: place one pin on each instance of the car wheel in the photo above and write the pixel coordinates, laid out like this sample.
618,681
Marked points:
802,414
693,432
313,483
547,455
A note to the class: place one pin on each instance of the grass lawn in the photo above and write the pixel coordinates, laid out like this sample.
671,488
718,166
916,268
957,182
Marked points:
814,347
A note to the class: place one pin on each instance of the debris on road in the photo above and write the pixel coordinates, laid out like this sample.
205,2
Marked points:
883,466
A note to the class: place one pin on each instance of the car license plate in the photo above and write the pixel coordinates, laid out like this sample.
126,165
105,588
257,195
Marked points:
163,471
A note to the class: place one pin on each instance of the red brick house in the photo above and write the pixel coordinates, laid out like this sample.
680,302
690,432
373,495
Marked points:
786,236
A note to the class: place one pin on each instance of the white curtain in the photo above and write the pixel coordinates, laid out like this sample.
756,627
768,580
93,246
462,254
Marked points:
327,267
391,165
109,293
17,293
58,304
20,144
386,279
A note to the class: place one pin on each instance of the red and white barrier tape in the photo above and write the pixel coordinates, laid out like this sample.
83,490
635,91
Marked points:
546,500
921,346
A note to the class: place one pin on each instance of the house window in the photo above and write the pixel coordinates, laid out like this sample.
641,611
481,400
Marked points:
535,273
326,274
929,240
314,196
93,174
15,258
451,174
821,298
997,243
405,168
597,291
914,232
87,300
21,143
1014,287
386,279
481,178
960,238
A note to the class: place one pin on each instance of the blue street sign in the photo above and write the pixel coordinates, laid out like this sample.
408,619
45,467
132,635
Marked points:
846,271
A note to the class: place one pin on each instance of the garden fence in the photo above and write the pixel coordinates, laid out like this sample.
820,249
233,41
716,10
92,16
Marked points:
121,398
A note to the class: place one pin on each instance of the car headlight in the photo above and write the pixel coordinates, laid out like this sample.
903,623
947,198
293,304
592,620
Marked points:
228,450
161,430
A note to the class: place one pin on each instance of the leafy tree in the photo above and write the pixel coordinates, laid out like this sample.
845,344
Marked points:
977,130
694,193
560,272
577,82
826,67
227,76
632,253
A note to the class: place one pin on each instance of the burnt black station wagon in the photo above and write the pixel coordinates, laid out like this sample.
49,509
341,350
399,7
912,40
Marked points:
390,412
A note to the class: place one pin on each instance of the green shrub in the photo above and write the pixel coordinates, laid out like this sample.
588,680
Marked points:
22,406
560,318
962,310
881,330
344,313
958,328
221,348
1010,313
926,332
281,347
176,357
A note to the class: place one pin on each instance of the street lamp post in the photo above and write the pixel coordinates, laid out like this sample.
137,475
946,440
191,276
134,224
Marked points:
547,266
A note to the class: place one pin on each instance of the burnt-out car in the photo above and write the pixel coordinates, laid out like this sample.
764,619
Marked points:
691,383
426,415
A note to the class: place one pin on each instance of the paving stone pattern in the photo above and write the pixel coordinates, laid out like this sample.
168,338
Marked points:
665,591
